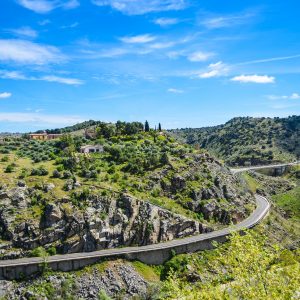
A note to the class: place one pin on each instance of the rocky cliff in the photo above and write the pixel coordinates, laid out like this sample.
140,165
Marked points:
107,222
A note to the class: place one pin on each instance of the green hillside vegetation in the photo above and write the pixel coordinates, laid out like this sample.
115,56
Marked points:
245,268
289,202
248,141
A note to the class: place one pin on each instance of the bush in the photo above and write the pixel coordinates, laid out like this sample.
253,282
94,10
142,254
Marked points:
38,252
10,168
40,171
5,159
51,251
56,174
67,175
23,174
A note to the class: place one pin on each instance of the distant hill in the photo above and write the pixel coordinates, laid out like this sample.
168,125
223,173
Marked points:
247,140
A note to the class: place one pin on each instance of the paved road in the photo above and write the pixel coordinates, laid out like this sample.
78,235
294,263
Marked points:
259,213
239,170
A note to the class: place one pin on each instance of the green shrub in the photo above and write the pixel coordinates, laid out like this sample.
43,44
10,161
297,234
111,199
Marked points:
38,252
51,251
5,159
40,171
56,174
10,168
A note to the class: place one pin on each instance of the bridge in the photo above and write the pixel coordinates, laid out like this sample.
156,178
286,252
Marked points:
150,254
253,168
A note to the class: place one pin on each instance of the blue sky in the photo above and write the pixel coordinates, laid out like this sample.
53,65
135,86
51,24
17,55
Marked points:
184,63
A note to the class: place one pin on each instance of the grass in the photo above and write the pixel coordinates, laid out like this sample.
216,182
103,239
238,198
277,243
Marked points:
10,179
149,273
251,182
290,202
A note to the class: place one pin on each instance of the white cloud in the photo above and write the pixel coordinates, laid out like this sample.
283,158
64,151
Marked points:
5,95
166,21
46,6
24,32
215,70
39,6
25,52
293,96
162,45
44,22
73,25
254,79
71,4
138,39
140,7
199,56
175,91
20,117
271,59
11,75
50,78
64,80
226,21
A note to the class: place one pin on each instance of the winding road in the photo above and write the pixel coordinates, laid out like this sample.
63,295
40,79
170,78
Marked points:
156,253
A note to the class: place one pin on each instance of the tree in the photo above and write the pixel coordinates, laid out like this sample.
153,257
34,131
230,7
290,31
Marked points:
147,127
159,127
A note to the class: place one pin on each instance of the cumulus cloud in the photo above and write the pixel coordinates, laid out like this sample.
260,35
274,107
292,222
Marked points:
24,32
20,117
140,7
26,52
175,91
215,70
166,21
262,79
293,96
199,56
138,39
5,95
46,6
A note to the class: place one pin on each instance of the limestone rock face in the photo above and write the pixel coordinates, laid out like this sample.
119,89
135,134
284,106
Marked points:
52,215
104,223
206,187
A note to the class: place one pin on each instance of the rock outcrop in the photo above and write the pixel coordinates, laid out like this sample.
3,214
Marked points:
206,187
117,279
107,222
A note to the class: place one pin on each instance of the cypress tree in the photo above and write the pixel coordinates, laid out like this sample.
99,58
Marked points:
147,127
159,127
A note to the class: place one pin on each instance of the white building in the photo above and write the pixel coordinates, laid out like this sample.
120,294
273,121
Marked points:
91,149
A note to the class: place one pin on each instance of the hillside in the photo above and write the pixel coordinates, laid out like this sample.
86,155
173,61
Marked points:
248,141
143,188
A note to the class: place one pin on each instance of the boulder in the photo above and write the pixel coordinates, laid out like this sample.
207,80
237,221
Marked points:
52,215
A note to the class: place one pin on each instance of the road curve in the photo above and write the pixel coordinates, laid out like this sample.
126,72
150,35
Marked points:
259,213
262,208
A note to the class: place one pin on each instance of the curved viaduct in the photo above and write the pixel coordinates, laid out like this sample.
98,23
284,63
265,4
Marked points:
150,254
